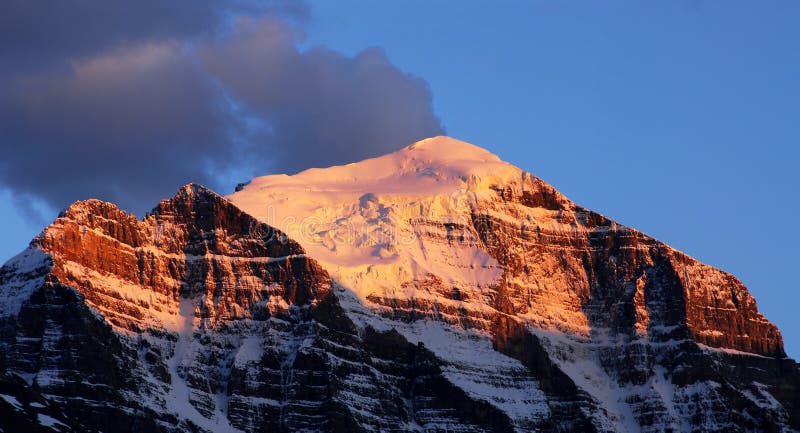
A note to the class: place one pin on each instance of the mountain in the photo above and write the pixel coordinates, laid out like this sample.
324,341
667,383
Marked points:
433,289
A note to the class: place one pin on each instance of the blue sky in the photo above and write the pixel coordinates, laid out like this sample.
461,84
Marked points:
681,119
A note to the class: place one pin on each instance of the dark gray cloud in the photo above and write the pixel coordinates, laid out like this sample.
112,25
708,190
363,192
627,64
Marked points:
208,94
120,126
321,107
42,31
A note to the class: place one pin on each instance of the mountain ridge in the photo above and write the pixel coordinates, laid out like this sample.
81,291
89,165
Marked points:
445,290
451,174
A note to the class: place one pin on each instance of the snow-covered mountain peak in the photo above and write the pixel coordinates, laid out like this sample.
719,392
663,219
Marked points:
446,231
432,166
360,218
444,149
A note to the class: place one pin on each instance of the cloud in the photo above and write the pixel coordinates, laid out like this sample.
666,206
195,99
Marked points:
41,31
135,109
320,107
122,126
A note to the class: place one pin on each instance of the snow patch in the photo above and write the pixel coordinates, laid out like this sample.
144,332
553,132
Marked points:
20,277
250,350
10,399
179,392
485,374
51,422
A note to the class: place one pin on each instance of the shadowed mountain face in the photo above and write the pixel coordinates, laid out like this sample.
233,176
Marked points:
433,289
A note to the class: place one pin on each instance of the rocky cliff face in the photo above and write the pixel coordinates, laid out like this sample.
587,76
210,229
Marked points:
201,318
434,289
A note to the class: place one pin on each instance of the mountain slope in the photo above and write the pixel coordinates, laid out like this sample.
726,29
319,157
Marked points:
445,231
448,209
200,318
433,289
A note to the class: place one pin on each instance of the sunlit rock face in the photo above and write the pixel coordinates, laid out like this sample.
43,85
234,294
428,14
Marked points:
201,318
433,289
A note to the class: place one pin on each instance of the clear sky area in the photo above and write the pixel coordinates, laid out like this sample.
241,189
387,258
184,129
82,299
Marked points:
681,118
